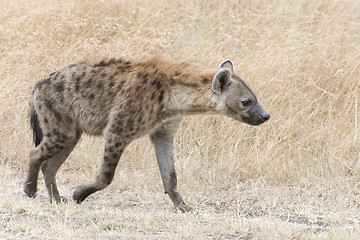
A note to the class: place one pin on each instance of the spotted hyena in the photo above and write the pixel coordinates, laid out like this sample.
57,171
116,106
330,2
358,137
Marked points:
123,100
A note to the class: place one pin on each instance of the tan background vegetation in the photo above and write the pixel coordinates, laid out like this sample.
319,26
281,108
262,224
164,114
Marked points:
295,177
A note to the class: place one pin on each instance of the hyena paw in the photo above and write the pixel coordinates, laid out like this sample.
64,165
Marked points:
30,189
60,200
82,192
184,208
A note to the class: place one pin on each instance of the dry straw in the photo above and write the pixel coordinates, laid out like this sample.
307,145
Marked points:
296,176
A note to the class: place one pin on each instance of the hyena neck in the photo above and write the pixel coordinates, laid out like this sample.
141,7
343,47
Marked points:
192,100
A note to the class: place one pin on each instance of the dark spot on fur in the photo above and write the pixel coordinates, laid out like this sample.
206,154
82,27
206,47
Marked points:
152,96
57,115
42,149
158,85
106,159
110,149
48,104
117,144
99,85
111,84
161,96
49,149
63,136
124,67
120,85
91,96
118,130
59,87
139,119
46,120
113,75
103,75
121,68
101,64
69,120
115,155
77,84
88,82
130,123
48,135
95,71
137,88
177,73
72,65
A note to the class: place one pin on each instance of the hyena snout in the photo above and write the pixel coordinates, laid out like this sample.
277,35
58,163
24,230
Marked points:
256,116
265,116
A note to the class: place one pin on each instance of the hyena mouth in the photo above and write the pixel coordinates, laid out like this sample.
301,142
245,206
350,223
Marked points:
254,121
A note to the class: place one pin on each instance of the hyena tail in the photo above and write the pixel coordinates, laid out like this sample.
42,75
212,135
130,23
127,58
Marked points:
34,121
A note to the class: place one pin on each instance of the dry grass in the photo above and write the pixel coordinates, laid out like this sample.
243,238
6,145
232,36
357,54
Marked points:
295,177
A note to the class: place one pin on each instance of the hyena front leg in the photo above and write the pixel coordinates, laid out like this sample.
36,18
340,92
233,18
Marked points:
163,139
114,147
50,168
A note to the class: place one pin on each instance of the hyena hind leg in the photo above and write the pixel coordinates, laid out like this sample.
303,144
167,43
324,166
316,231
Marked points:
47,149
50,168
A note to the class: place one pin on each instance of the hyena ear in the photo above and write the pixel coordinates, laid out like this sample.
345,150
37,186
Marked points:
222,81
228,64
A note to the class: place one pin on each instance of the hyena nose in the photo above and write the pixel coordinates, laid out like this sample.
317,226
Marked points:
265,116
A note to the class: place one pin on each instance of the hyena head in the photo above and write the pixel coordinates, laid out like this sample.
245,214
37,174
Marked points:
235,98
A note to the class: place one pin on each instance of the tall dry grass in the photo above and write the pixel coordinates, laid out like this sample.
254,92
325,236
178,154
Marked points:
300,57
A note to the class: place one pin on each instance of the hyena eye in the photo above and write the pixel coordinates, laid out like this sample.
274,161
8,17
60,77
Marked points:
245,102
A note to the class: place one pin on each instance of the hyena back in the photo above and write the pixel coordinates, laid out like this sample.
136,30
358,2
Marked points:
123,100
